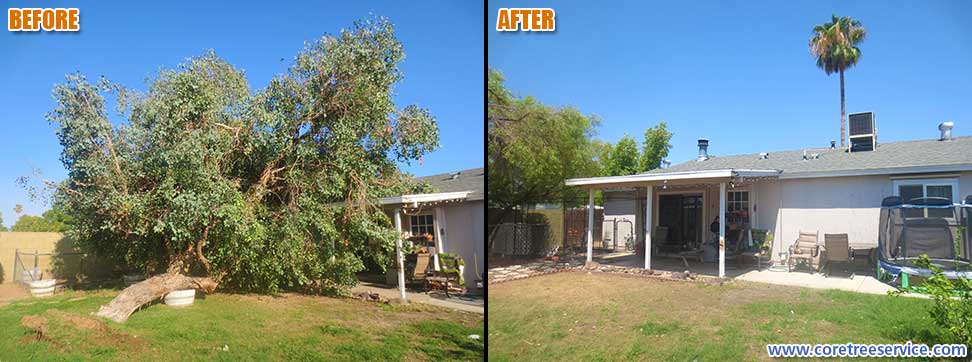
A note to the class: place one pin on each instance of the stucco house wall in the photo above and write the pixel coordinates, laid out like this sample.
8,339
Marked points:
833,205
464,234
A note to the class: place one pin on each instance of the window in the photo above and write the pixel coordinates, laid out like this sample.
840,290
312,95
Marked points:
421,224
908,190
737,207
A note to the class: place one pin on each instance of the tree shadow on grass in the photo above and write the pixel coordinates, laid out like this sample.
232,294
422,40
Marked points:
917,334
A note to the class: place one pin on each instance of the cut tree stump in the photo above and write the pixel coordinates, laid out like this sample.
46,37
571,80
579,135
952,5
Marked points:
148,290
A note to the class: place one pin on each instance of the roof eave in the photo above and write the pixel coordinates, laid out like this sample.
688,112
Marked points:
670,176
879,171
420,198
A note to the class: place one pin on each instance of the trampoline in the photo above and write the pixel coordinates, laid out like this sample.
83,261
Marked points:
924,226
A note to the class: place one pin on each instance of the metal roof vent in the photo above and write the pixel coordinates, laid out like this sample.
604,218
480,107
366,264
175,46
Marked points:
946,129
454,176
763,155
703,149
666,163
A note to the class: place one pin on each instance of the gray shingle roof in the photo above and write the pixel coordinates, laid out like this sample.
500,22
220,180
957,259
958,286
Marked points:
467,180
891,155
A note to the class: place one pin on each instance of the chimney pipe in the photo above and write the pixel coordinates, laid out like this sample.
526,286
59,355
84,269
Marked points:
703,149
946,128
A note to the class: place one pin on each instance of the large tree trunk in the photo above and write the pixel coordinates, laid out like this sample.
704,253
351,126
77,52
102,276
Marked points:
120,308
843,123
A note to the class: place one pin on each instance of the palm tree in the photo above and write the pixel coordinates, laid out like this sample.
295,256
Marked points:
834,44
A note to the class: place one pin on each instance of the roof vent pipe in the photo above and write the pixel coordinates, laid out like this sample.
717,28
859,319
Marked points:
833,144
703,149
946,128
666,163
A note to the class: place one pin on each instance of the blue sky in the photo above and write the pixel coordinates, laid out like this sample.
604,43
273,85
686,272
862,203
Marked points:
740,73
128,41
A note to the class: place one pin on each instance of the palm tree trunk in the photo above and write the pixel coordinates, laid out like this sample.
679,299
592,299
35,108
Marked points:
843,123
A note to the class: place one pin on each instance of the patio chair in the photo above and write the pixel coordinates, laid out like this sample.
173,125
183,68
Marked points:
660,242
421,268
836,249
805,248
755,253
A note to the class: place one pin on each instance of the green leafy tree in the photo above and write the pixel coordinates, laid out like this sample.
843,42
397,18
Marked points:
835,46
602,156
30,223
952,308
533,148
655,147
260,190
623,158
2,227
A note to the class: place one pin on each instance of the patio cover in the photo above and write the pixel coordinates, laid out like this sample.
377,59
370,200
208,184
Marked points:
648,180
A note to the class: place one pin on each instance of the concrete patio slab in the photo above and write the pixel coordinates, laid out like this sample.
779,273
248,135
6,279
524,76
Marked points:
855,283
466,305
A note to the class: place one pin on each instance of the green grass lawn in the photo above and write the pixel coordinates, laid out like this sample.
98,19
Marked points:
227,327
608,317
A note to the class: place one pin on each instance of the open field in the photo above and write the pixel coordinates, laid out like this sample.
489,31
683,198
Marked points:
578,316
228,327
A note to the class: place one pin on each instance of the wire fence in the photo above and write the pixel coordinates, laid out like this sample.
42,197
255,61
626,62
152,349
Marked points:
33,264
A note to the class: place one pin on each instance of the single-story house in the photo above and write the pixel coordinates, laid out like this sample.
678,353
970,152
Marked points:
452,214
827,190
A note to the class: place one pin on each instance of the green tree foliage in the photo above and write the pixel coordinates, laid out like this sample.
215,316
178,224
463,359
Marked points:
261,190
532,148
655,147
623,158
2,227
952,309
835,46
31,223
53,220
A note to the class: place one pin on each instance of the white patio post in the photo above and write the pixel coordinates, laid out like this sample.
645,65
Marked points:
590,225
399,260
722,230
648,200
438,221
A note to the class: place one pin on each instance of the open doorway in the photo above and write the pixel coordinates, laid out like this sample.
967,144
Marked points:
682,215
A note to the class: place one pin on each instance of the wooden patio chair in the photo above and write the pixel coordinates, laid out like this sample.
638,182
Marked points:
836,250
421,268
805,248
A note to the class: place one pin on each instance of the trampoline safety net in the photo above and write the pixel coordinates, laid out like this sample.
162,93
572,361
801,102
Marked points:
930,226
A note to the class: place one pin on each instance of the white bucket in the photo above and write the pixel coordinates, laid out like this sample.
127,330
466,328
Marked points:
180,298
42,288
132,279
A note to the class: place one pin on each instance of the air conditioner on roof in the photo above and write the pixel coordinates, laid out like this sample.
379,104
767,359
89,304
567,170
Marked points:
863,134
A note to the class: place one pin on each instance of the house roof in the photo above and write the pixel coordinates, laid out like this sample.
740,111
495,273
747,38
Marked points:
917,156
465,180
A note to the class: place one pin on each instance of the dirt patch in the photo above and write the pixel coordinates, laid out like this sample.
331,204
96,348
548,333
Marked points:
70,332
12,291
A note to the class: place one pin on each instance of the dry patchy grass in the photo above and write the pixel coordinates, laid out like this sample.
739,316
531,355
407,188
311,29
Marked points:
606,317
